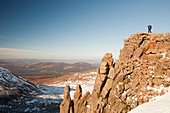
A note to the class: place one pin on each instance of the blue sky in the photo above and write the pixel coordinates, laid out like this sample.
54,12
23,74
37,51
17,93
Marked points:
63,29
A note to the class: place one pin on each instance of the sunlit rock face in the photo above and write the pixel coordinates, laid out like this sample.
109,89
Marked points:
141,73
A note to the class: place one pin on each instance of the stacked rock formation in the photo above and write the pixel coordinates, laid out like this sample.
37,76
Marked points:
141,73
67,105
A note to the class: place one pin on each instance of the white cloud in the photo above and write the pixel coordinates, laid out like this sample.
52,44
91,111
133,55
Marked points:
11,53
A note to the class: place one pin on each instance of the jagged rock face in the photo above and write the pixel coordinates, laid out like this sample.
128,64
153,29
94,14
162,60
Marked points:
13,85
141,73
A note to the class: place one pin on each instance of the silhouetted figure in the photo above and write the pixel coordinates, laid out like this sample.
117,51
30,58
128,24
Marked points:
149,28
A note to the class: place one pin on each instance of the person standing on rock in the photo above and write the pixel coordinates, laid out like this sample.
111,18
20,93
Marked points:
149,28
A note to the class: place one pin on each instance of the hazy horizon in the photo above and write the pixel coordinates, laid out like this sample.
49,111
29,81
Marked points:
75,29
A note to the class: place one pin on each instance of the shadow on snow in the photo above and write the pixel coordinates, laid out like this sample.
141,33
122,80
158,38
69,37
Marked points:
33,104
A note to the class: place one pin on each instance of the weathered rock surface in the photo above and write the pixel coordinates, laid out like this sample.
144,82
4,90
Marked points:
67,105
141,73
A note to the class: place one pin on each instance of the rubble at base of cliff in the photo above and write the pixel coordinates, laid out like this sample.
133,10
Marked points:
141,73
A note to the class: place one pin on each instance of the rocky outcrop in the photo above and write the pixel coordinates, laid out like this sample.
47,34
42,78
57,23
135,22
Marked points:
67,104
141,73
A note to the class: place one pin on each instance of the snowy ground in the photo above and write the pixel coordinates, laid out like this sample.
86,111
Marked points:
55,90
48,98
160,105
52,95
26,103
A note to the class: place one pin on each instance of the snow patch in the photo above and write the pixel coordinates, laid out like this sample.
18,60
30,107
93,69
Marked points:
158,88
159,105
87,86
87,81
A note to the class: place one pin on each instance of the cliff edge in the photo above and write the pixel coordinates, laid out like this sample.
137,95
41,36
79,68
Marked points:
141,73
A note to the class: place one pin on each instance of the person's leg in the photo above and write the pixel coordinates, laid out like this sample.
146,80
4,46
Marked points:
149,30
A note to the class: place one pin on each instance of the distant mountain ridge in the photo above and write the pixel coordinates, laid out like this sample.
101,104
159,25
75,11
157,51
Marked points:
62,64
48,68
62,67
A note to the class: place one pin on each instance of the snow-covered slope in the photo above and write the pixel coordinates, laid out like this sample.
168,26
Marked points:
159,105
14,85
19,96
